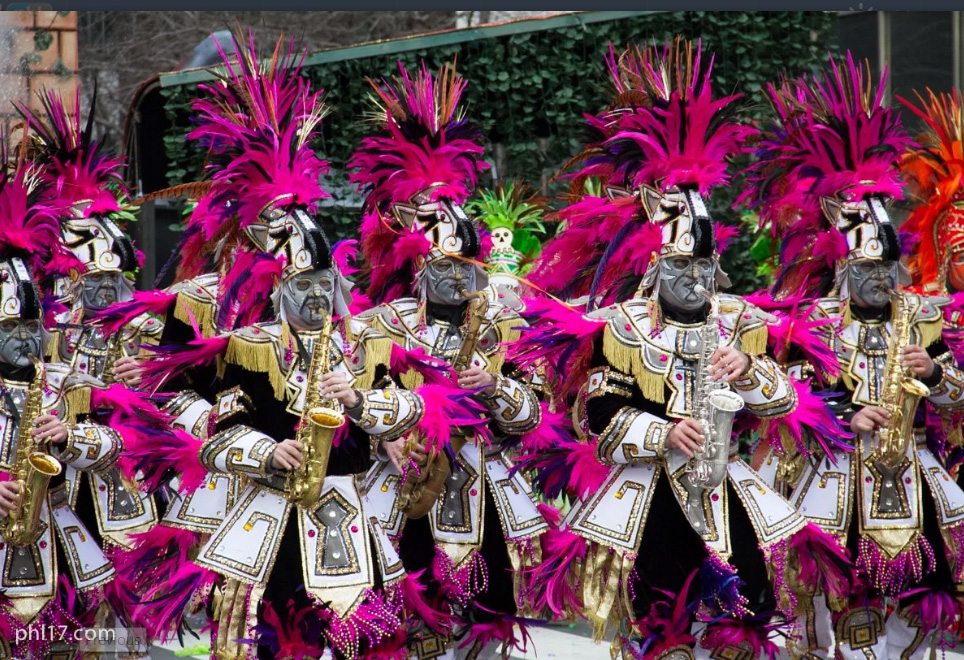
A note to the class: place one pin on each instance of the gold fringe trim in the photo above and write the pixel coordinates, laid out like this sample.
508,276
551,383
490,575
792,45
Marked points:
606,588
411,379
257,356
78,401
202,311
754,342
377,352
930,331
629,360
508,332
524,557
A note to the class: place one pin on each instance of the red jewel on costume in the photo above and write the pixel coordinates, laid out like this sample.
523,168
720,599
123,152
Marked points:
354,529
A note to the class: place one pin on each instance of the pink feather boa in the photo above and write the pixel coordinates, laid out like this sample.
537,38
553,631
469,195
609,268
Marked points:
152,446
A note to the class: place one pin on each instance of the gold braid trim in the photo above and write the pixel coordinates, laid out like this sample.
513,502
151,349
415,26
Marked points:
202,311
257,356
629,360
606,588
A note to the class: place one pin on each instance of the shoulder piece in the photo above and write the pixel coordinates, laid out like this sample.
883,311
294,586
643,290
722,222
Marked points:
72,387
259,348
626,349
197,298
928,316
748,322
506,297
394,319
147,326
371,349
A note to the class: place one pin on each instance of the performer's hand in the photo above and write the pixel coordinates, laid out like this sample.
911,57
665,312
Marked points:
48,428
917,360
728,364
869,419
686,436
477,378
399,455
9,496
334,385
128,370
287,455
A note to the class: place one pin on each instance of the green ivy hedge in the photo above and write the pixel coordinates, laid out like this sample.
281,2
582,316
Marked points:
529,92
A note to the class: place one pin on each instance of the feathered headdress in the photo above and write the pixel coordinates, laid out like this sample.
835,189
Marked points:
83,181
515,221
29,240
935,170
257,123
419,168
822,171
663,143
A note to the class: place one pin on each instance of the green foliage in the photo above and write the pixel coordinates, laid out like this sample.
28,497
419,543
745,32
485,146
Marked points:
529,92
42,39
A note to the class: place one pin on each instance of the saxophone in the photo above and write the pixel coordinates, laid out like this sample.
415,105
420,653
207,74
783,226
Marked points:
421,488
901,392
714,407
320,418
32,468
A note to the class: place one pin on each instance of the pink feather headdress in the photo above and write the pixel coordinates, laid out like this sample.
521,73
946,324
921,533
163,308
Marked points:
30,248
832,140
257,122
75,166
663,131
426,157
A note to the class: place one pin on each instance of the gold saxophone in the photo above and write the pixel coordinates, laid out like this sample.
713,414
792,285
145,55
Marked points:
32,468
901,391
316,430
422,487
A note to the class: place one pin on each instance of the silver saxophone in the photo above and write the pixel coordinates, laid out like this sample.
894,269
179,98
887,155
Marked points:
714,407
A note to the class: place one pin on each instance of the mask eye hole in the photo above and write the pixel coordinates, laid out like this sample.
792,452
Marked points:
8,326
303,284
33,326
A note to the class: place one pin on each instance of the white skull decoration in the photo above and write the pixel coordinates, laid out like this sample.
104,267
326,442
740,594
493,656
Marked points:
502,239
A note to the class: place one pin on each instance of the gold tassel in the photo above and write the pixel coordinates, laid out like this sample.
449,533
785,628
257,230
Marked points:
629,360
260,357
202,312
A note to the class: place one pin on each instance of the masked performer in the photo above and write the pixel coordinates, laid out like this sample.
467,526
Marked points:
935,229
427,280
55,572
668,369
825,175
83,181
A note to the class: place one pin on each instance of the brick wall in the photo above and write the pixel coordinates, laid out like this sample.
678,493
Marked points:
38,50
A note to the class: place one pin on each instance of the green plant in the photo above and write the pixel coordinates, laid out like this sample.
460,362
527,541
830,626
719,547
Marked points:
529,91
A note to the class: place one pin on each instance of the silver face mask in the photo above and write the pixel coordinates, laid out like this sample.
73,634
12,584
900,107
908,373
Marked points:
101,290
308,298
19,339
870,282
446,277
678,280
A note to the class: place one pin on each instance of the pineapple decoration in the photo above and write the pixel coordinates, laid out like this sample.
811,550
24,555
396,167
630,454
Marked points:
514,219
